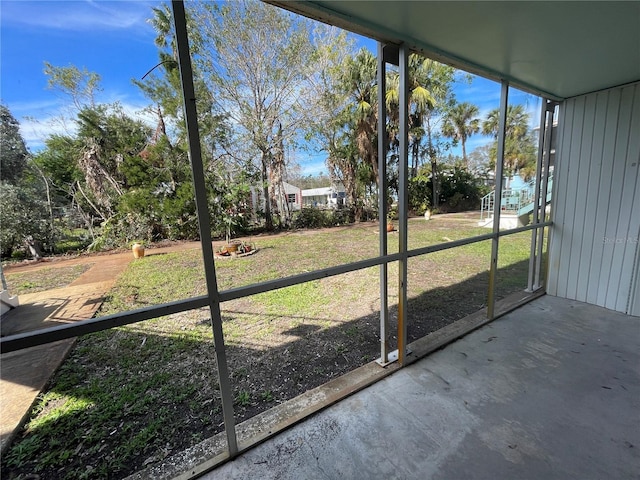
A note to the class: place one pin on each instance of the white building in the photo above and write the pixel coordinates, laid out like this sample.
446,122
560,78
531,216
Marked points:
294,196
324,197
292,193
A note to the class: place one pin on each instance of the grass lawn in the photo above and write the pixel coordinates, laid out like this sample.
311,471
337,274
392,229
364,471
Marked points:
45,279
129,397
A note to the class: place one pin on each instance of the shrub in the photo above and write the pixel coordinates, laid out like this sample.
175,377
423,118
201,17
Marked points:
312,217
22,214
308,217
419,194
341,216
459,190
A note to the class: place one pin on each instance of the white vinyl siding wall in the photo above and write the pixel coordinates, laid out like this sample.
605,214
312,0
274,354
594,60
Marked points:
594,251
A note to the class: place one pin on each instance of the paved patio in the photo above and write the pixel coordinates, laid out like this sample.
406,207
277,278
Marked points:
551,390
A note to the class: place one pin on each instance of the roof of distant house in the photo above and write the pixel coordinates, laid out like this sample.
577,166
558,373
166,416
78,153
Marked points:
313,192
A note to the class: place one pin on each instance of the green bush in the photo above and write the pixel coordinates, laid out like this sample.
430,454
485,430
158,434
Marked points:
312,217
309,217
420,193
22,213
458,190
342,216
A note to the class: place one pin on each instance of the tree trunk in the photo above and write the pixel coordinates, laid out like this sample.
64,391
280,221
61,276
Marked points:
414,159
51,238
33,247
434,166
352,193
434,182
464,155
96,209
268,221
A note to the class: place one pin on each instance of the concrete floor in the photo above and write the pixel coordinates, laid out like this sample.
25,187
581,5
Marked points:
550,391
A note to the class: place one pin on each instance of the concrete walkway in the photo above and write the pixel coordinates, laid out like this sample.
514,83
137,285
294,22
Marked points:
25,373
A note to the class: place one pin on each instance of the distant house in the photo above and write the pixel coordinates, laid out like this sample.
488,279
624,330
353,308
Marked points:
294,196
324,197
292,193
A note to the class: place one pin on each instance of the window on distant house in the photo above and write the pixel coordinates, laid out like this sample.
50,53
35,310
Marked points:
291,197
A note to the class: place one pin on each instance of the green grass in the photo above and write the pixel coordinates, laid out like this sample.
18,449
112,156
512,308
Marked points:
111,386
127,397
72,240
44,279
243,398
157,279
297,299
267,396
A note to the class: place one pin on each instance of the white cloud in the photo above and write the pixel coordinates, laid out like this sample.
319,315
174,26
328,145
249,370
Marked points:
310,167
26,108
77,15
36,131
40,120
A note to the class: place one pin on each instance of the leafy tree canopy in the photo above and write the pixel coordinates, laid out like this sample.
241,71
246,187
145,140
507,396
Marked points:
520,149
13,151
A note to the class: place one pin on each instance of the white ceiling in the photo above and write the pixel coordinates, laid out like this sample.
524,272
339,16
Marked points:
554,48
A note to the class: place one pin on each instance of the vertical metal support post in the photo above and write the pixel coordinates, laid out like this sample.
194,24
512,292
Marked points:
536,200
491,299
382,205
191,119
550,110
403,200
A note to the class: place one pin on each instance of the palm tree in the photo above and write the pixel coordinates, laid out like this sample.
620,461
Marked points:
519,150
429,93
421,102
517,122
360,83
421,84
460,123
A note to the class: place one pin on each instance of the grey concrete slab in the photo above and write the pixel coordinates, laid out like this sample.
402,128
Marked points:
550,391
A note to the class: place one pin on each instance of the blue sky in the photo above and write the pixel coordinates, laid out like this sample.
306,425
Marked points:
114,39
110,38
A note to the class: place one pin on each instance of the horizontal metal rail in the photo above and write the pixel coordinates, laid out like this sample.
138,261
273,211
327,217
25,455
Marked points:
71,330
269,285
504,233
467,241
446,246
83,327
62,332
